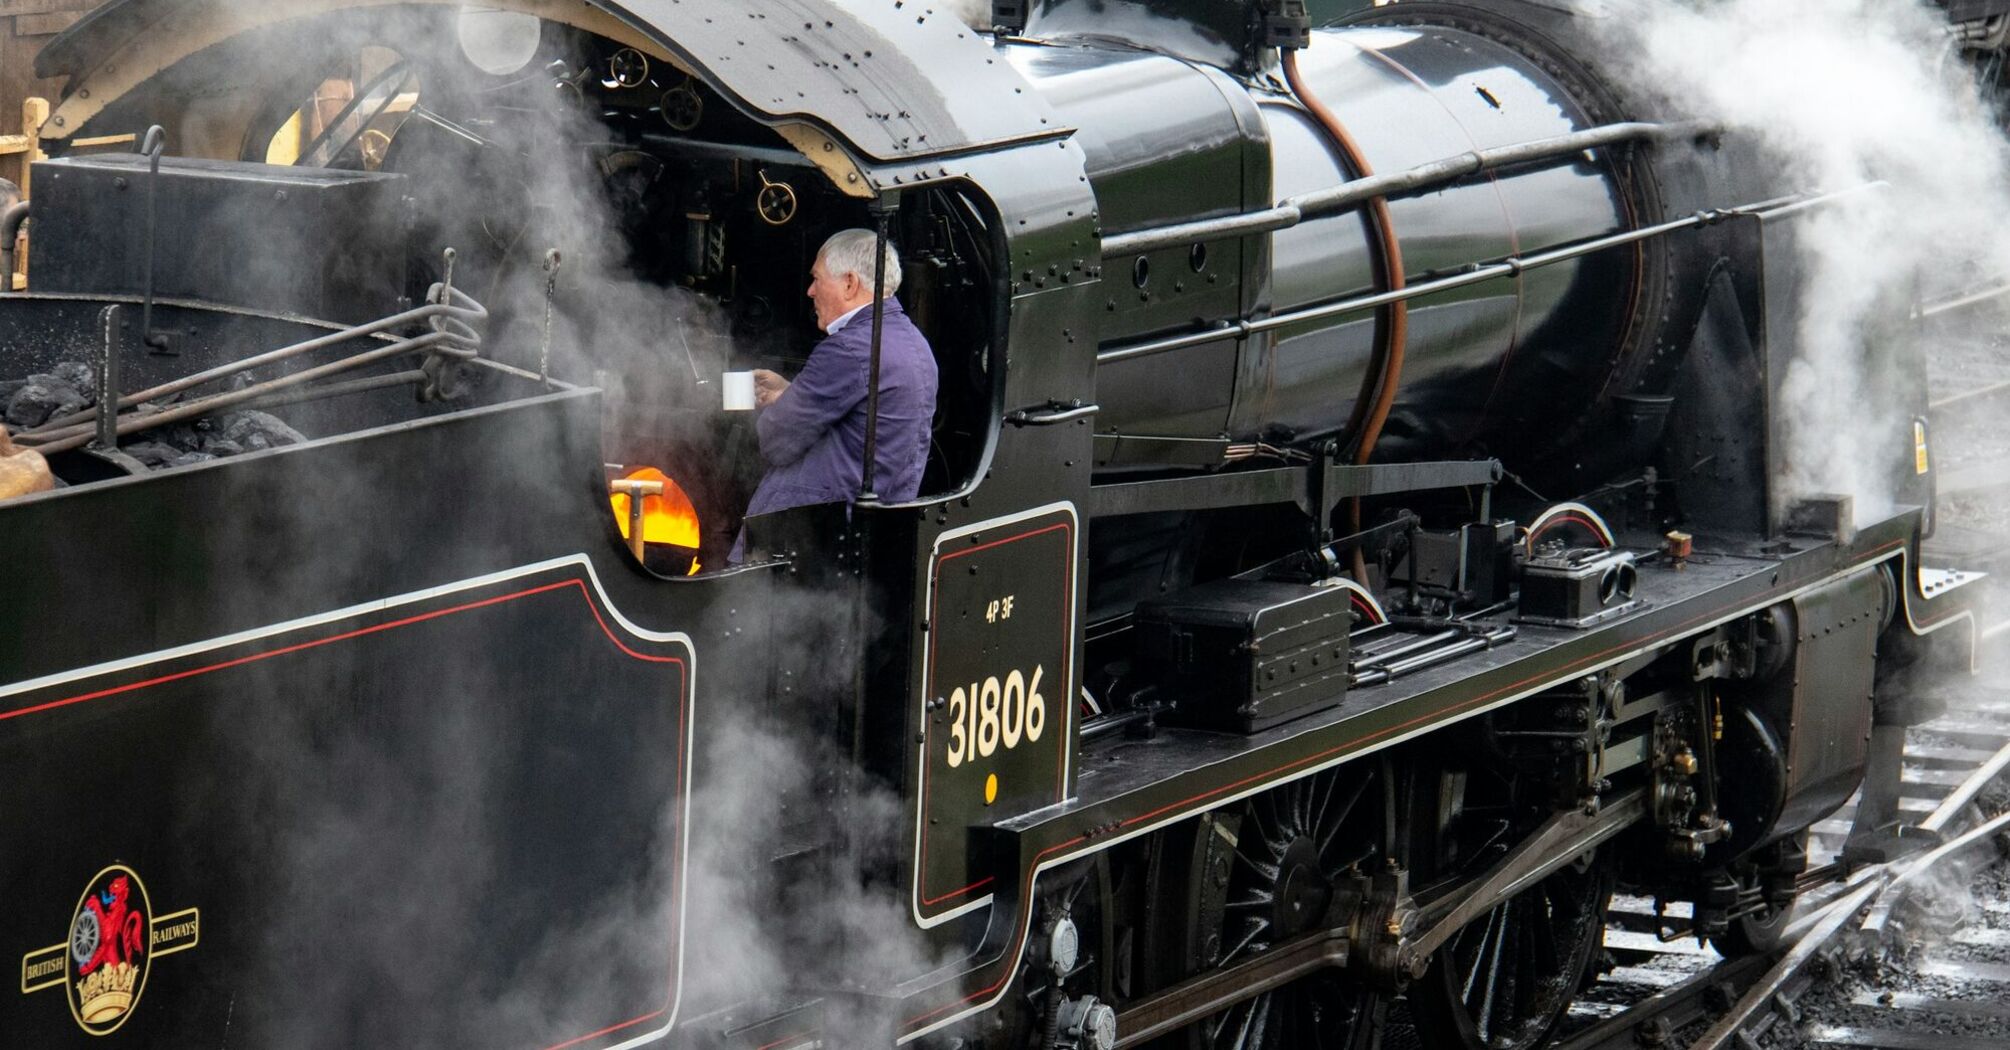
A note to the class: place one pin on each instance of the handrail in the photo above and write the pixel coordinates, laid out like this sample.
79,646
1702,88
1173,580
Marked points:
1293,210
1477,273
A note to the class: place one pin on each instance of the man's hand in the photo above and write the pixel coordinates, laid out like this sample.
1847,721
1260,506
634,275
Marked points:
767,387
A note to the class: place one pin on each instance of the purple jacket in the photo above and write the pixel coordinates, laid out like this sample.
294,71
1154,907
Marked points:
813,436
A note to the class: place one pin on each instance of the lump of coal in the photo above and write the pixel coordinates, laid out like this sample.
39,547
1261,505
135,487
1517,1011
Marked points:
153,453
79,377
40,399
159,455
253,430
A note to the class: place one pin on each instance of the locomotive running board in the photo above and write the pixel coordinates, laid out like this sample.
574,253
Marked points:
1124,791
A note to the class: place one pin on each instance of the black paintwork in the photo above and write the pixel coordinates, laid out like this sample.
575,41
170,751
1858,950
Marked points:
257,791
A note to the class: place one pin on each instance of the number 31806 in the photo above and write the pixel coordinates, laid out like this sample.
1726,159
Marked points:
986,716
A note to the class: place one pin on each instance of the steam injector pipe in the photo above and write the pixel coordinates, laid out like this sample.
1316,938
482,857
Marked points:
10,230
1385,372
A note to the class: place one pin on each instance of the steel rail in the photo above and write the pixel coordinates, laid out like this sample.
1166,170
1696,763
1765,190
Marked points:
1969,395
1430,175
1478,273
1965,793
1893,893
1935,309
1881,892
1829,922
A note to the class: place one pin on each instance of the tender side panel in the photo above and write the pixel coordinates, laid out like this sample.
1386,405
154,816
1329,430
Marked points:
416,805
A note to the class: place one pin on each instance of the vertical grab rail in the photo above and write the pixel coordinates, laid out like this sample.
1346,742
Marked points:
152,147
882,214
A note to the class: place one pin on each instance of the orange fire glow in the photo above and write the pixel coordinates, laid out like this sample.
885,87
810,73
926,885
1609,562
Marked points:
669,518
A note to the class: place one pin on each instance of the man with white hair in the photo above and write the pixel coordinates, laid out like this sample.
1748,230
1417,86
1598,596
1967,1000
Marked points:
812,430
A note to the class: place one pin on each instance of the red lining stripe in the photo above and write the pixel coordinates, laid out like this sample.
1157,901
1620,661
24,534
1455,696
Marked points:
359,632
631,1022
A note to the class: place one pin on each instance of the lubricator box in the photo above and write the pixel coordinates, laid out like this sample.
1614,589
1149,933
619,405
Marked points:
1578,587
310,242
1247,654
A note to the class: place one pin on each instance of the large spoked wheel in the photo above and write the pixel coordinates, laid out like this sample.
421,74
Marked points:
1286,851
1503,981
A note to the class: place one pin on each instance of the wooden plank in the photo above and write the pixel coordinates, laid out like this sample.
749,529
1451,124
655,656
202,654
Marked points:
45,24
11,8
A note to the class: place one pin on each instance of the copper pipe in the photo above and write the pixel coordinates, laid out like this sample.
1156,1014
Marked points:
1385,373
1372,407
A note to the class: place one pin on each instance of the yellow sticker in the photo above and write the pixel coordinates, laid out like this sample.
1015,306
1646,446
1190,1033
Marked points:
990,789
1919,446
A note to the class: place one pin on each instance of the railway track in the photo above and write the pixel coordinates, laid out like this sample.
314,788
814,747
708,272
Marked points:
1661,988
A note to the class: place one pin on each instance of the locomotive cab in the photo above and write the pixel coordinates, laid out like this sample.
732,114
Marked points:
623,225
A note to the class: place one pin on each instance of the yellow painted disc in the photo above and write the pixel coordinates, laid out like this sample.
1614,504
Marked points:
991,789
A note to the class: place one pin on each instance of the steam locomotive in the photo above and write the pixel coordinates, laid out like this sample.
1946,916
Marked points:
376,675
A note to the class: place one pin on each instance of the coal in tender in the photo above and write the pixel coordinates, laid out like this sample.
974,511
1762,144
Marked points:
41,398
252,430
78,377
159,456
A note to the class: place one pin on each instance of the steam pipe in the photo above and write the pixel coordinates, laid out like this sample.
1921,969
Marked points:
437,342
1429,176
1478,273
1385,374
347,386
10,230
1370,412
461,308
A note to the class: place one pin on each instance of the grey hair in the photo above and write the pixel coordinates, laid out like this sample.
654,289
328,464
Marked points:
850,251
9,190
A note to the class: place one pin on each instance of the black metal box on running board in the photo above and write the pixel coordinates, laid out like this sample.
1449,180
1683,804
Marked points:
311,242
1247,654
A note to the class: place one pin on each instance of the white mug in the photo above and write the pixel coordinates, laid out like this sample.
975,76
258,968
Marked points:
738,389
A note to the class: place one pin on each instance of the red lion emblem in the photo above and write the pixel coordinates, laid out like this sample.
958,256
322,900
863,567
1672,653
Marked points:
122,929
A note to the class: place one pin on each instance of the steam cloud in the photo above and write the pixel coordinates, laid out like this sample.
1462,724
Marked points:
1843,93
402,844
